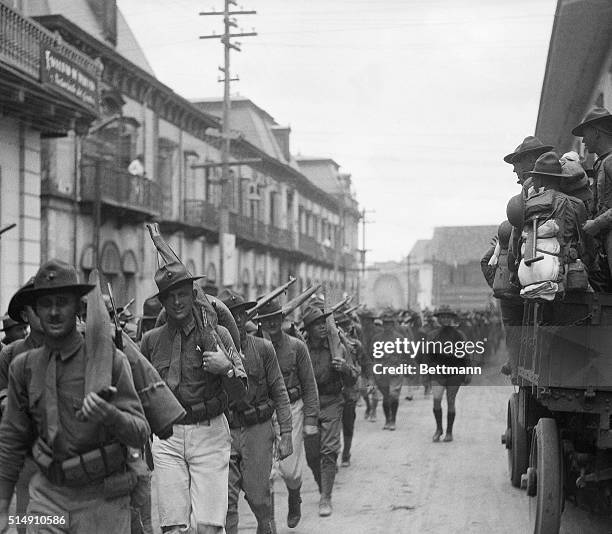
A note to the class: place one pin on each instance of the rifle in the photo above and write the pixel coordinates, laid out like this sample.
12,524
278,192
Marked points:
203,310
269,297
352,309
341,304
118,329
7,228
301,299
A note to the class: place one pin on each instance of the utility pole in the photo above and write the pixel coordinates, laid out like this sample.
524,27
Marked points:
226,190
363,249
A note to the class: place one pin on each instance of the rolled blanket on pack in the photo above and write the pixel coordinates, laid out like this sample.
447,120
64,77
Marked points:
542,290
547,269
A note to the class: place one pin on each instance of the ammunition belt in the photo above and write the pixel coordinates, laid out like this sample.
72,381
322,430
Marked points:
202,411
332,387
252,416
88,468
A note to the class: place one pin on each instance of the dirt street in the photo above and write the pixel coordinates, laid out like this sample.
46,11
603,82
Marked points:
401,482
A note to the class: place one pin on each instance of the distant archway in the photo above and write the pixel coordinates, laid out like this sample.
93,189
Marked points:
388,291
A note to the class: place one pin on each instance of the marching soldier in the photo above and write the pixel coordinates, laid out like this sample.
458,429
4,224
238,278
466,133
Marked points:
250,422
350,393
331,374
389,385
524,157
449,382
298,375
368,390
14,329
77,438
192,466
150,310
18,311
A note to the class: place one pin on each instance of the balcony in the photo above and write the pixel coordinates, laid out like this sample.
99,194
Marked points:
119,190
201,214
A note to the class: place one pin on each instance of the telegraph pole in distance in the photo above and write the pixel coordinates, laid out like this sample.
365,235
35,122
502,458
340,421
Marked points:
226,190
363,250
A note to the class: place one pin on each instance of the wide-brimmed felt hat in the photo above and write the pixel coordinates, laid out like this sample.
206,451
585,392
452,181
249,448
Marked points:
596,116
171,275
312,314
151,308
547,165
388,315
529,145
54,276
16,306
234,300
270,309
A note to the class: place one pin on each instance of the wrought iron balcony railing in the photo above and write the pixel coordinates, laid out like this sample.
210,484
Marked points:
22,39
200,213
119,188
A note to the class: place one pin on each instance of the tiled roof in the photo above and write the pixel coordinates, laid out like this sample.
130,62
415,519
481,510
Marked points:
321,172
251,121
460,244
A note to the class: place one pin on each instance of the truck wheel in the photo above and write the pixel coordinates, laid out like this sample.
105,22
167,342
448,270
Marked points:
546,462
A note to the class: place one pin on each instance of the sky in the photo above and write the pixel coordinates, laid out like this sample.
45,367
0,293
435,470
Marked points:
419,100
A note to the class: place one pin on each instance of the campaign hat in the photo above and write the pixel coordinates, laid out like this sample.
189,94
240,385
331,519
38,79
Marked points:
270,309
16,306
312,314
9,322
170,275
529,145
151,308
234,300
547,165
597,116
54,276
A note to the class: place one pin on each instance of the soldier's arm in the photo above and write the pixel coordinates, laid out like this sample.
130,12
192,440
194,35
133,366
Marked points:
488,271
310,394
17,432
236,386
276,386
6,355
127,420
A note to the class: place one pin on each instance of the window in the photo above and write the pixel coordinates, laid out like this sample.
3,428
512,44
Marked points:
273,208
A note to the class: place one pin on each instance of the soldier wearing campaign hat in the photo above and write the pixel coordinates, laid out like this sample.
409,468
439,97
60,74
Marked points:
331,374
79,448
252,434
194,461
298,374
596,132
390,385
13,329
525,155
447,332
19,311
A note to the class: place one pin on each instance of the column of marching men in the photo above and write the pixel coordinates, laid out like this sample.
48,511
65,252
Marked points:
215,395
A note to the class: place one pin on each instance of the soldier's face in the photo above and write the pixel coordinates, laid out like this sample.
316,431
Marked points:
318,329
590,138
57,313
272,325
178,302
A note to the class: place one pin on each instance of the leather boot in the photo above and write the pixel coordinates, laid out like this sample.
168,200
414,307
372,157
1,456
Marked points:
387,412
312,450
328,475
294,513
373,409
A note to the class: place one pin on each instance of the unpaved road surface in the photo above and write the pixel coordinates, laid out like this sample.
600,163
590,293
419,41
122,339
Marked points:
401,482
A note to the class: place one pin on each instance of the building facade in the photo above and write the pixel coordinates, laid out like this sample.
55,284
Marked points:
47,89
578,72
152,156
441,271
